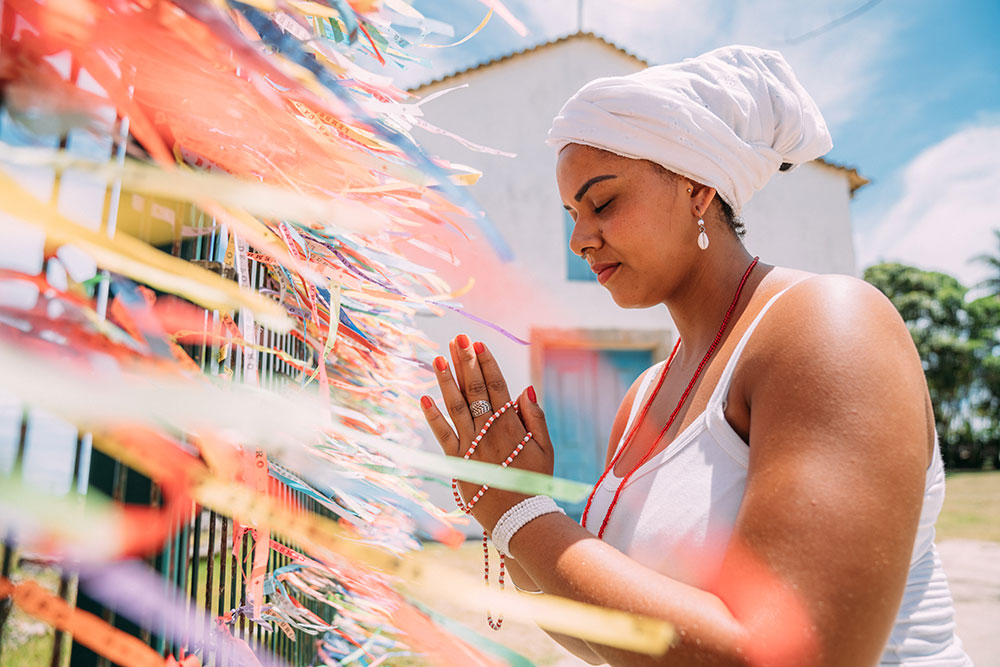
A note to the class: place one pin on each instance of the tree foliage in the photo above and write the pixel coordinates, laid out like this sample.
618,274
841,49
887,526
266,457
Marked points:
992,283
958,342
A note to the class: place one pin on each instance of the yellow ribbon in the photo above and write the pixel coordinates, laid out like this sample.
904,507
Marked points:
135,259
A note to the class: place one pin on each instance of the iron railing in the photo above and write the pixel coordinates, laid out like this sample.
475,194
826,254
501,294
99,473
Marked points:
201,561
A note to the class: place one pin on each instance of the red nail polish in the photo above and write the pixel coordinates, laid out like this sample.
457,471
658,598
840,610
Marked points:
479,347
426,402
463,341
440,363
531,394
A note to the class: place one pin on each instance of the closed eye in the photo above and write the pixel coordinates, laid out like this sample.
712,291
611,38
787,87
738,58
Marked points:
603,206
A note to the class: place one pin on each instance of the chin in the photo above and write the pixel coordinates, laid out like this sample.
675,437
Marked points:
632,301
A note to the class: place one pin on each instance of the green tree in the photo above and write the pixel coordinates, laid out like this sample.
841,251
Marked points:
934,308
984,314
991,283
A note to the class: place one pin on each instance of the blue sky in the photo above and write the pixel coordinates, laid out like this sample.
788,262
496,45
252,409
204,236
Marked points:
910,89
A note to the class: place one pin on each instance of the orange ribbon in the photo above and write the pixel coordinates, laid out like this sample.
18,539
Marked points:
87,629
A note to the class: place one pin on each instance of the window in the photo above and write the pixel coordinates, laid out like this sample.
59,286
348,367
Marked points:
576,267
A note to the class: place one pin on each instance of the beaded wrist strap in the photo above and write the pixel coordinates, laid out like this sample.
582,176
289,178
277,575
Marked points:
467,508
517,516
526,591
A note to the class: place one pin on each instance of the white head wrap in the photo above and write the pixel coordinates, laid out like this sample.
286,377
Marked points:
727,119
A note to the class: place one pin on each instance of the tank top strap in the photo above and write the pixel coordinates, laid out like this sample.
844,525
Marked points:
647,377
722,388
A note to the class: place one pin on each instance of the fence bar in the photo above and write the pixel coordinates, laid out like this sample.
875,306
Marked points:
183,565
157,562
243,584
223,563
8,564
66,581
209,570
193,613
234,565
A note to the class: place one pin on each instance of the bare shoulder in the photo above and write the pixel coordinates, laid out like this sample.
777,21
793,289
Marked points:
834,346
824,314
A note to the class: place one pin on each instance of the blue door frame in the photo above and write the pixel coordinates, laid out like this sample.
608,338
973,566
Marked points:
582,388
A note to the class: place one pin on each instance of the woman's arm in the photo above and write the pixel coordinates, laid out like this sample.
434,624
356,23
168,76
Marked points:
819,557
575,645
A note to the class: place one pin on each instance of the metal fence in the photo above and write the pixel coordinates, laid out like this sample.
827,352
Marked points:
202,561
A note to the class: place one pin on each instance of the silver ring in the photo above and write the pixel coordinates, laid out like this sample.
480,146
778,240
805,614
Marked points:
480,408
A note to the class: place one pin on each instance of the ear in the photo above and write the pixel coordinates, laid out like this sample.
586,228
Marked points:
701,198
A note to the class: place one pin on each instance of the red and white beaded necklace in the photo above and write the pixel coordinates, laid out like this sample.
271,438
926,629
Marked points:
467,508
673,415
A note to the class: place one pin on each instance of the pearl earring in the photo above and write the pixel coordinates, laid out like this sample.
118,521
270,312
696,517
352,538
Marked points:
702,236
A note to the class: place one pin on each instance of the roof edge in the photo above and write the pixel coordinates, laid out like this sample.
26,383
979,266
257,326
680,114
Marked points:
855,179
579,34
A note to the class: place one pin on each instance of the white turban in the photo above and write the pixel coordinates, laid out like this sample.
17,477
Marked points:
727,119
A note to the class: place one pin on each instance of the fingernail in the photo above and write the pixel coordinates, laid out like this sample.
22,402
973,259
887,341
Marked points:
531,394
479,347
463,341
440,363
426,402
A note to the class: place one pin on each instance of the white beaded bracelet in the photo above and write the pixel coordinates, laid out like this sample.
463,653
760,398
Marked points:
517,516
526,591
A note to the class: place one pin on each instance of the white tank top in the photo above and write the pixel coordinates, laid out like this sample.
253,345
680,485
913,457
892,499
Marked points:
678,510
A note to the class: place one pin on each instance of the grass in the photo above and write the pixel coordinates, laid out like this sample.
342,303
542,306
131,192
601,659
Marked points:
971,506
37,650
26,642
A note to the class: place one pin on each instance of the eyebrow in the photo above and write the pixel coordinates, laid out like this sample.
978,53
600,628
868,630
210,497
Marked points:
586,186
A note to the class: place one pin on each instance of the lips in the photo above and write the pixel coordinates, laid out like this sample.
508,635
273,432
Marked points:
604,271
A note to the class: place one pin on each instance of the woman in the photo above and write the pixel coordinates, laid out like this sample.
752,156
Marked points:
773,495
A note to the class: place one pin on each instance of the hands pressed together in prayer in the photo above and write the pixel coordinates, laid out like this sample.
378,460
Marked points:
477,377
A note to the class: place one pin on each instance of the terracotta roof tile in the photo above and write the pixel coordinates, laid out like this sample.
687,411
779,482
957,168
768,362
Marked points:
854,178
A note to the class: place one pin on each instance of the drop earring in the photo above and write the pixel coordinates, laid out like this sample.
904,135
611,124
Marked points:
702,236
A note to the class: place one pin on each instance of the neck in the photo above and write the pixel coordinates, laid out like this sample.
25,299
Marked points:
699,305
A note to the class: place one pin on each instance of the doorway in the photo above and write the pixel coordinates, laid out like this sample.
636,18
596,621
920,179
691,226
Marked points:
581,382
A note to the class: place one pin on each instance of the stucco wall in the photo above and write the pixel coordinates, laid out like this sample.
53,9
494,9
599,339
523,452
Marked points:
801,219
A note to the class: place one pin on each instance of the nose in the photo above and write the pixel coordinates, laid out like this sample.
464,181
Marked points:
585,236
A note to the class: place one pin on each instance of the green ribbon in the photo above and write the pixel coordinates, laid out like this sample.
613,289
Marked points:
480,472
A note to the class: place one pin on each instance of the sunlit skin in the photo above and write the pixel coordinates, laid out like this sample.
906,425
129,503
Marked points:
829,395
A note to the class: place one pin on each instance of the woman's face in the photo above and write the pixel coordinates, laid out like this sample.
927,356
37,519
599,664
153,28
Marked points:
634,223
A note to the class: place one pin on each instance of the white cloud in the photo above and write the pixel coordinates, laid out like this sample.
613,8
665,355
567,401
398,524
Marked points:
555,15
841,77
950,202
840,68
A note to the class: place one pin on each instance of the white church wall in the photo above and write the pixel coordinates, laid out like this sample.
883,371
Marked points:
802,220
